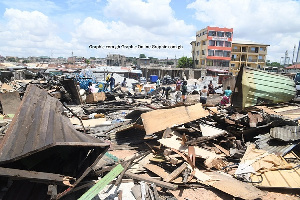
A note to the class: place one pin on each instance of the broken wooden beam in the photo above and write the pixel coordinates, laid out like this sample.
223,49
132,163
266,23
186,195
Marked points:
36,176
151,180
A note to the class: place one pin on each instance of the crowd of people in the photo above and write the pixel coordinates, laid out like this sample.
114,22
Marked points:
181,89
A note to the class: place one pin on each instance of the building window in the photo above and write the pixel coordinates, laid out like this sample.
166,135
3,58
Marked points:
228,34
227,44
219,53
203,52
197,53
232,65
198,43
220,34
219,43
210,52
226,53
196,62
260,57
203,42
211,43
202,62
234,57
262,49
209,62
212,33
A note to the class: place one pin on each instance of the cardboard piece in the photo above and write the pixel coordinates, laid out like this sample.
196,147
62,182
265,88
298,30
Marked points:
95,97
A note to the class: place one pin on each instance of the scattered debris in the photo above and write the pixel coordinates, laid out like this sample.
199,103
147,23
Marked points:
61,140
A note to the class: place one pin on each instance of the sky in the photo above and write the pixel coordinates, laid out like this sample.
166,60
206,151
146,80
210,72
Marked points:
58,28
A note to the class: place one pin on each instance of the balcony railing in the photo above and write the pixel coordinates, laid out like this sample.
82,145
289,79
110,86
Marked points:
235,59
261,60
251,51
236,50
252,60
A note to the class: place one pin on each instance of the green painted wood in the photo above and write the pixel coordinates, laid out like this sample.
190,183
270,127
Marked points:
93,191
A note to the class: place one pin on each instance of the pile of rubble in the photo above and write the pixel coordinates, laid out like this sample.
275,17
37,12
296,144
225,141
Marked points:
129,144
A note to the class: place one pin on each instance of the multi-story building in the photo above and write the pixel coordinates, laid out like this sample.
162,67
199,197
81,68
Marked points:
212,48
115,60
248,54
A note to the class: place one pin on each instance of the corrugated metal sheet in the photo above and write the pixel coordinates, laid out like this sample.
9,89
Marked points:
263,142
257,86
39,125
286,133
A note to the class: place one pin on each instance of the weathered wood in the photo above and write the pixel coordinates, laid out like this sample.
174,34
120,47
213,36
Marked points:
151,180
35,176
175,173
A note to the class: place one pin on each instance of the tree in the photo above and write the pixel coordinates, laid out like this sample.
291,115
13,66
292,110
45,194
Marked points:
185,62
142,56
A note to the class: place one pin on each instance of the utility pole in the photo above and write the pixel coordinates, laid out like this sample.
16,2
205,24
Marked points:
293,54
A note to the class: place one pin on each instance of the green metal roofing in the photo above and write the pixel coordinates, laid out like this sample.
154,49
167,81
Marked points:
257,87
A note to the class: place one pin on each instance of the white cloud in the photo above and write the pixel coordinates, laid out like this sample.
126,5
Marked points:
274,22
136,12
29,33
95,32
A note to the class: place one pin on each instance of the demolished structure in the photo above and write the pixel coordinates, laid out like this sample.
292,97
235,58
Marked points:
132,144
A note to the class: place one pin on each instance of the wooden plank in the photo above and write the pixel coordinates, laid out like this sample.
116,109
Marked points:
35,176
233,186
279,179
159,120
151,180
227,153
157,170
92,192
176,172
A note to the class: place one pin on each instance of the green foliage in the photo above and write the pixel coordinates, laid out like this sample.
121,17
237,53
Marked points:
142,56
273,64
185,62
11,59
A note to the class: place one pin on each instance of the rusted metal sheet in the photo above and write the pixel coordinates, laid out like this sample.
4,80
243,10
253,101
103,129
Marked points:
10,102
254,87
38,125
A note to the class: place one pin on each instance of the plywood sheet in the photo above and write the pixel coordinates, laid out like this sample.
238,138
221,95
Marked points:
159,120
289,178
233,186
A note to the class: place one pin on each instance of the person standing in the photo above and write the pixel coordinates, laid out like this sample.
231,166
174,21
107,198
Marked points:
211,89
112,83
203,95
184,91
107,79
178,85
124,83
